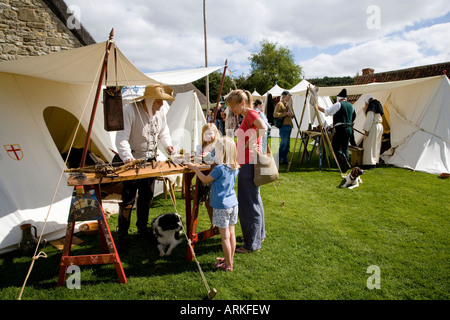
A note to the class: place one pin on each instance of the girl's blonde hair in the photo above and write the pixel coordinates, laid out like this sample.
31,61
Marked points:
229,153
236,97
209,126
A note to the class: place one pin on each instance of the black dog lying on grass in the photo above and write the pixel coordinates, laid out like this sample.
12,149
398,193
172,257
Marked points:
166,229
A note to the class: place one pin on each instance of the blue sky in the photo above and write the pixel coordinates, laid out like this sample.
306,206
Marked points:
328,38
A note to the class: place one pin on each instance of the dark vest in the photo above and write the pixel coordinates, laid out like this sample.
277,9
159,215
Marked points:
343,118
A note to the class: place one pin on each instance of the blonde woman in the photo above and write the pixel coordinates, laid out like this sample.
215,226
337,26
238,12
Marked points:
249,140
223,198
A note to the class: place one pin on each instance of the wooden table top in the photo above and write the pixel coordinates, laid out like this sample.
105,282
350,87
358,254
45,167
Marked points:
161,169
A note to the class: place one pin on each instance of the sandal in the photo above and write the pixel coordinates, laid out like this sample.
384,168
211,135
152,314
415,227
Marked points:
222,260
223,266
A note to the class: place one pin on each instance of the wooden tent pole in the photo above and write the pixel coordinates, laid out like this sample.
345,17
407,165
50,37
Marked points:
97,96
220,90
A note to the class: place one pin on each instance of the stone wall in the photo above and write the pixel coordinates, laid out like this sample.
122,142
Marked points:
30,28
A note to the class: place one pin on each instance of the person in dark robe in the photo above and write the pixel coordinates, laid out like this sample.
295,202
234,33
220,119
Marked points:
373,132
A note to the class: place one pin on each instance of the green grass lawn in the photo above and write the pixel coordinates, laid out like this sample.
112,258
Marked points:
318,247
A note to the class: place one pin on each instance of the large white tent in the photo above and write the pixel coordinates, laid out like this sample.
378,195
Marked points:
275,91
309,114
418,114
43,97
41,100
185,120
298,104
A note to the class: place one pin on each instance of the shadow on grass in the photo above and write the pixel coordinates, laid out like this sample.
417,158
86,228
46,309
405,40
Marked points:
141,260
299,164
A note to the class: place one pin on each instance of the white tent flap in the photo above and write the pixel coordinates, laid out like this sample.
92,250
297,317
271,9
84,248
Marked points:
181,76
185,120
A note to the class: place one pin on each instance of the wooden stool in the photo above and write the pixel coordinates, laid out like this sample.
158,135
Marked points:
166,182
356,154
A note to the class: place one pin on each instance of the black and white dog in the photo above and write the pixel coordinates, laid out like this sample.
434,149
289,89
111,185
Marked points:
166,230
353,179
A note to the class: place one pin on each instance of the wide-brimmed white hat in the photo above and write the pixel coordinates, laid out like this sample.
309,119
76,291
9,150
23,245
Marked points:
157,91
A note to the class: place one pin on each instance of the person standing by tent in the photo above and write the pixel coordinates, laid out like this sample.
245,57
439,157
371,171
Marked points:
342,112
209,117
282,110
249,140
220,118
144,124
373,132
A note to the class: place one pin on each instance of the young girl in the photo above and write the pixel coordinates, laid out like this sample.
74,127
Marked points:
223,197
205,152
209,117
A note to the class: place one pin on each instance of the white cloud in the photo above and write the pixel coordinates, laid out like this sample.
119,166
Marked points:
381,54
166,35
384,54
433,38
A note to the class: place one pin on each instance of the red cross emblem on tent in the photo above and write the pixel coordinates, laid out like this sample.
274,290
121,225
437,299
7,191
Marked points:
14,151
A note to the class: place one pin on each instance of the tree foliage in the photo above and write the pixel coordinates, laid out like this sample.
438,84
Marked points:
273,65
332,81
215,79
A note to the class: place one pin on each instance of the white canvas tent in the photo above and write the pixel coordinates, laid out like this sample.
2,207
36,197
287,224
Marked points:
298,102
418,113
256,95
41,97
185,120
309,116
41,100
275,91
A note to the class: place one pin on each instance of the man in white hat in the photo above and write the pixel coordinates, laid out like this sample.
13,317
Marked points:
343,117
144,125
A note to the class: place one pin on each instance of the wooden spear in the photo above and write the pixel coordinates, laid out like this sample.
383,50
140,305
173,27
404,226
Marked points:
220,90
97,96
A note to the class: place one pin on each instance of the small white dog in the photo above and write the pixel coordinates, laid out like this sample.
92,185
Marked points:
353,179
166,231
